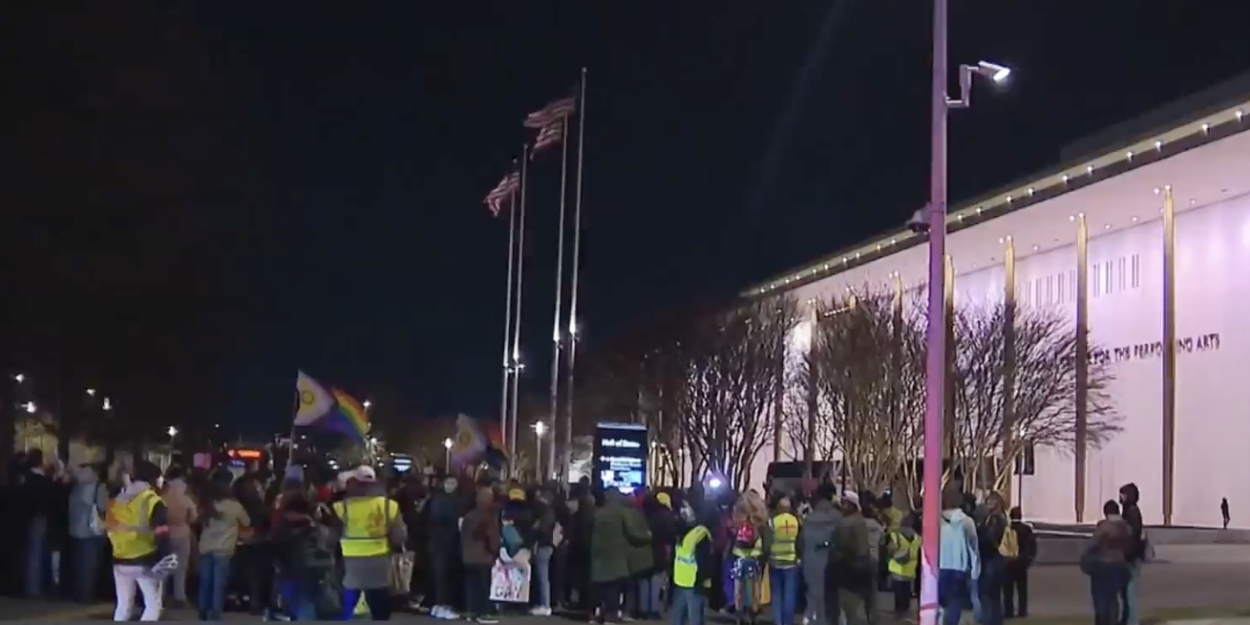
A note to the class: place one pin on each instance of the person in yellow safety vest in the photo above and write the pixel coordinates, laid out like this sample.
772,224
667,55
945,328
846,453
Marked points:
903,565
783,562
369,524
692,570
138,530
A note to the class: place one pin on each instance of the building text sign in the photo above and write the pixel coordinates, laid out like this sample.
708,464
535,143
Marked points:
1147,351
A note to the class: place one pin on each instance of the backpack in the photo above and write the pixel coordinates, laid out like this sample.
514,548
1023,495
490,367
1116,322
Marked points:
1009,546
744,535
314,552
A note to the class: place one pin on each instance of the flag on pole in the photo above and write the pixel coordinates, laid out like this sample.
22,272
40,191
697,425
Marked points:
347,417
502,193
469,444
313,402
550,135
554,111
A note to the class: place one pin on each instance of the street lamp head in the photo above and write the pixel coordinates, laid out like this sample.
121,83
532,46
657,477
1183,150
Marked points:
993,71
107,404
19,378
172,431
447,443
91,392
367,404
30,407
540,428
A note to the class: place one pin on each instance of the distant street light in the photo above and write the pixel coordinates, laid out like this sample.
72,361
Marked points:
173,431
447,446
107,404
19,378
91,392
367,404
30,407
539,429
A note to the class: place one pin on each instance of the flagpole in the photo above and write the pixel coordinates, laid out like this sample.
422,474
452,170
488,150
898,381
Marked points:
510,434
577,244
556,333
507,320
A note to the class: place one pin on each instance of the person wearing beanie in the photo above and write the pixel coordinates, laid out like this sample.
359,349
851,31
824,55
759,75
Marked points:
138,528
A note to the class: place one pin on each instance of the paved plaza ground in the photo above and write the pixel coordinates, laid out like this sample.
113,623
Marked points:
1203,581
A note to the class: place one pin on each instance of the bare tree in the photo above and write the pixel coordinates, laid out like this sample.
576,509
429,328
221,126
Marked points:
732,365
1042,399
867,360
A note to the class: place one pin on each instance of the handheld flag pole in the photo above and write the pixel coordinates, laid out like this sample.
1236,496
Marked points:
571,349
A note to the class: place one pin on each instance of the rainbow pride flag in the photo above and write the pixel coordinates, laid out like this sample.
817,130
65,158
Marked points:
347,418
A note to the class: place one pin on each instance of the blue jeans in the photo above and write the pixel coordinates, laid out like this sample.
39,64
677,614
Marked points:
688,607
214,576
1132,614
785,591
86,566
36,555
542,575
990,586
952,594
299,599
649,589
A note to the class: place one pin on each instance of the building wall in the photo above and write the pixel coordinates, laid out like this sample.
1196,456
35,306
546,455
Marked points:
1125,261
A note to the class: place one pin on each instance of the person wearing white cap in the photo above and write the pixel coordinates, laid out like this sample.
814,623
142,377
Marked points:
850,563
370,525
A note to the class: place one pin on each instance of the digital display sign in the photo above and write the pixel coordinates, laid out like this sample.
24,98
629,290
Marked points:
620,459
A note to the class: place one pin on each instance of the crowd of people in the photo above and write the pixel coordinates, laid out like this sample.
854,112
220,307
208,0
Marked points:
308,545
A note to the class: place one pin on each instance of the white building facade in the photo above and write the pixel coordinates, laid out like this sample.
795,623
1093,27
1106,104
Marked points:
1203,409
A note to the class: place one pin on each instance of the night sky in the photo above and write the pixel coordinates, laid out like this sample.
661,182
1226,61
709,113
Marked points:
200,200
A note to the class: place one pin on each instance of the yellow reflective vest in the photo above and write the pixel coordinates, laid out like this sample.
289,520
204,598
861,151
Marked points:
785,528
129,525
685,564
910,547
366,524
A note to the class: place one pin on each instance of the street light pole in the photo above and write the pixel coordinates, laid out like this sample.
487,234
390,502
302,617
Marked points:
936,356
935,365
447,460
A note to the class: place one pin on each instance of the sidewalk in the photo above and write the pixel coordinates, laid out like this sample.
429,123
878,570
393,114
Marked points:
16,609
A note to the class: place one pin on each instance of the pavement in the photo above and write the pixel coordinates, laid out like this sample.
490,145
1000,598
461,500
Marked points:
1201,584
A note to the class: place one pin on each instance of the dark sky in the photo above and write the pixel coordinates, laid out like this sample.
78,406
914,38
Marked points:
199,200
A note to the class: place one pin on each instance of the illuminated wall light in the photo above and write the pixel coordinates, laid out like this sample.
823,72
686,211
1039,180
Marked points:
1089,169
978,210
1134,219
857,255
892,241
1240,114
1036,247
1192,201
1030,191
1129,155
1071,217
1206,127
1158,145
1106,226
1065,179
1008,201
1156,190
959,217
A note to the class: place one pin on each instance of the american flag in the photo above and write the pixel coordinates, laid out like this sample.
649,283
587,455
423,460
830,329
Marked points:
502,193
550,135
553,112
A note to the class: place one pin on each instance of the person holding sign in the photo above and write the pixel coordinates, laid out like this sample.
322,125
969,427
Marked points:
370,525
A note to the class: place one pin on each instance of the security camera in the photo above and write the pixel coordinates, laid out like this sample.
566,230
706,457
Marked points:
919,222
